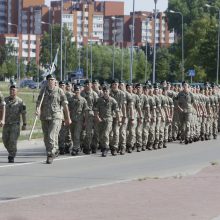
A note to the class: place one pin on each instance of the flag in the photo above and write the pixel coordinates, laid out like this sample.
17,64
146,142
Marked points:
54,64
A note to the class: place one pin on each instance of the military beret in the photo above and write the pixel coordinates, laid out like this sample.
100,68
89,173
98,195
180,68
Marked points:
68,83
61,83
50,76
76,87
87,81
114,81
121,81
13,86
138,85
184,82
95,81
156,86
105,87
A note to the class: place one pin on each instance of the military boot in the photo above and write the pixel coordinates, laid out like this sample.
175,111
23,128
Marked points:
164,144
10,159
50,159
113,151
138,148
155,146
104,152
149,146
74,152
122,151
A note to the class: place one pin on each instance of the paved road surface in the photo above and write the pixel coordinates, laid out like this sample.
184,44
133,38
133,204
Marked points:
30,178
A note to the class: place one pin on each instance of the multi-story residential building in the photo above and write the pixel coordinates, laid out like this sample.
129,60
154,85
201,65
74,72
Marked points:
121,27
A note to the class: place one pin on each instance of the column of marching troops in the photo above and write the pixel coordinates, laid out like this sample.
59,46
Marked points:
117,117
125,117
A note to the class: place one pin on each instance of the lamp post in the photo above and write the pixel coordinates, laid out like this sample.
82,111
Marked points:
183,69
217,71
113,62
145,75
154,57
61,40
65,61
87,62
51,41
122,43
18,74
91,58
132,43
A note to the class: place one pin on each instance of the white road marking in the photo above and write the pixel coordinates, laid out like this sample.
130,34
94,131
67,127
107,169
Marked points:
42,161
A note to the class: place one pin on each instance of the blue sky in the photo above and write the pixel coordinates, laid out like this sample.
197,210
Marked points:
140,5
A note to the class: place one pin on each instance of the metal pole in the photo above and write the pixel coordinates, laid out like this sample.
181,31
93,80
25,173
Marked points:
91,61
122,49
132,44
183,69
65,60
154,58
61,40
79,59
87,62
217,72
113,63
51,45
145,75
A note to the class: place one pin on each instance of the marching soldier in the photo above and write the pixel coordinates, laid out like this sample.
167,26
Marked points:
78,108
104,108
50,104
15,108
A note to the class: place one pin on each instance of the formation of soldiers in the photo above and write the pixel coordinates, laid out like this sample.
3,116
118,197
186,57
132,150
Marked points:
117,117
125,117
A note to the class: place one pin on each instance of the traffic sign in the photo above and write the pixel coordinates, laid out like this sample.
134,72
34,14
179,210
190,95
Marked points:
192,72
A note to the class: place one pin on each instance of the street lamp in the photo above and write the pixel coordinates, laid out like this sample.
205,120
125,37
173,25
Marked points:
65,60
51,41
91,57
18,74
145,74
154,57
61,40
183,69
122,43
217,71
113,63
132,43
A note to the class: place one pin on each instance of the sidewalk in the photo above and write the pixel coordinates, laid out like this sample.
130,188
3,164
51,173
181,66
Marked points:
194,197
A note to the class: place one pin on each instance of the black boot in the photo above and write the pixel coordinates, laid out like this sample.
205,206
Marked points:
10,159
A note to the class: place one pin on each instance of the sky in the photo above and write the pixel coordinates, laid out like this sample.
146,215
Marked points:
140,5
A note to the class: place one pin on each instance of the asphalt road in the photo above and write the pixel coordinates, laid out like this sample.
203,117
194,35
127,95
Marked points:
31,177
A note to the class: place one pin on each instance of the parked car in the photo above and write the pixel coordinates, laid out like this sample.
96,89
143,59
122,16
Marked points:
28,83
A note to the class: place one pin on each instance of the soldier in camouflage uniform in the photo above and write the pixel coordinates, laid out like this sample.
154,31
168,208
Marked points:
186,103
15,108
104,108
120,98
53,103
90,141
78,109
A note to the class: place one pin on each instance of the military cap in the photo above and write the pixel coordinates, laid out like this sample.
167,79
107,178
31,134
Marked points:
114,81
184,82
61,83
50,76
148,82
87,81
121,81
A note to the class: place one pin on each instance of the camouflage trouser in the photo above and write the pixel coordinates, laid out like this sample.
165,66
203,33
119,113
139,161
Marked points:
131,135
105,128
145,133
89,132
157,130
185,125
167,130
151,137
139,131
162,129
10,136
215,126
64,138
203,126
123,135
175,125
115,134
51,129
76,129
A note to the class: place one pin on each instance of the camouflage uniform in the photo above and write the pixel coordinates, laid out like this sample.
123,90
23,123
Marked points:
78,108
11,130
91,140
51,115
104,109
